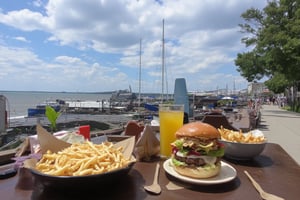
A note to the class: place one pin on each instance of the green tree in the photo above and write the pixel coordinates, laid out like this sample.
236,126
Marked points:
277,83
274,37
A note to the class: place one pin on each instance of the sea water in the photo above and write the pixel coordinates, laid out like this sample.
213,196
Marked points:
19,101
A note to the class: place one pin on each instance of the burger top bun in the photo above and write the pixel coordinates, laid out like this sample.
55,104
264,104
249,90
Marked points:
198,129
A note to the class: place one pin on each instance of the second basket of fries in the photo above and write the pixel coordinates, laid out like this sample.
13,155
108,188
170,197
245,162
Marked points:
80,164
242,146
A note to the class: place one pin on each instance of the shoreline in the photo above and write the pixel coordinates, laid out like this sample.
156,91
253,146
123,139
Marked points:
107,118
21,127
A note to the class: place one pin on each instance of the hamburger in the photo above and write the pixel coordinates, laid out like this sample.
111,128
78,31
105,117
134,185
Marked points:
196,152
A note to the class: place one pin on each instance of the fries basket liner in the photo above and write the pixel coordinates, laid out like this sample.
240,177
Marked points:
116,138
49,142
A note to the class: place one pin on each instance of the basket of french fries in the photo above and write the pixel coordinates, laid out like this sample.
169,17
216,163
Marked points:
84,164
242,146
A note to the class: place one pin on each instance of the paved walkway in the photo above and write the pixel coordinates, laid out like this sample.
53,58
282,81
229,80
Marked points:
282,127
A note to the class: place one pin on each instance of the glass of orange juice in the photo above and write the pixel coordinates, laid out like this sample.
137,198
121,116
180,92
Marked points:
170,120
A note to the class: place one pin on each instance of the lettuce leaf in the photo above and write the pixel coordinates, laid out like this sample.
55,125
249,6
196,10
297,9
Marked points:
216,153
178,163
178,144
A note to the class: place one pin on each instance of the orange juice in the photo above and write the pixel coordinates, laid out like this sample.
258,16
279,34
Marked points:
170,121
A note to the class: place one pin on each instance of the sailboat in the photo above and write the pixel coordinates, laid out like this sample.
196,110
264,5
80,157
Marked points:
180,90
151,106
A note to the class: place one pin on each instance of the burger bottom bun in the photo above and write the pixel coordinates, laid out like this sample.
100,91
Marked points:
198,172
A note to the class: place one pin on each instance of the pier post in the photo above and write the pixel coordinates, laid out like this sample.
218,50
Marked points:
3,115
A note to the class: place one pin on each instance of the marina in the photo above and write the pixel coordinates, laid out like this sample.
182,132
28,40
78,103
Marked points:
114,116
228,111
280,157
111,113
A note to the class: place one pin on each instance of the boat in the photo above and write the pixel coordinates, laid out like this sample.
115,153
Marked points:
40,109
84,107
154,106
123,95
122,100
151,107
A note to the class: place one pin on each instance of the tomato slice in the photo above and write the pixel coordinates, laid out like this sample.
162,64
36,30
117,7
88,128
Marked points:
194,153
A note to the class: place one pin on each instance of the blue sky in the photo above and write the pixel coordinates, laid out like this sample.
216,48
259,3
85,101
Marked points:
94,46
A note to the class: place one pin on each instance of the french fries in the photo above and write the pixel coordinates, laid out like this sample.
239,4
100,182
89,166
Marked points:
239,136
82,159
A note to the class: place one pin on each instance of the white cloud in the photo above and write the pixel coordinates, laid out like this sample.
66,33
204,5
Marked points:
22,39
202,40
64,73
25,20
37,3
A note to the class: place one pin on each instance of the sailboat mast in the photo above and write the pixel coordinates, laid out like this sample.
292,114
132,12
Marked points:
140,73
163,62
166,76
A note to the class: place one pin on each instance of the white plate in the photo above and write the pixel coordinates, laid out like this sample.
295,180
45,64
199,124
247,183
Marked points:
226,174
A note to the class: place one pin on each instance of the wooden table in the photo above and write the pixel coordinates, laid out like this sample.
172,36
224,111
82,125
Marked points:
274,169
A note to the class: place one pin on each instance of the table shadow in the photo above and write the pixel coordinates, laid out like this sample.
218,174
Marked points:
214,188
123,187
258,161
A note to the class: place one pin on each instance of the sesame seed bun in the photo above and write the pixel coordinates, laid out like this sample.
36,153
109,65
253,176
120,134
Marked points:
199,130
